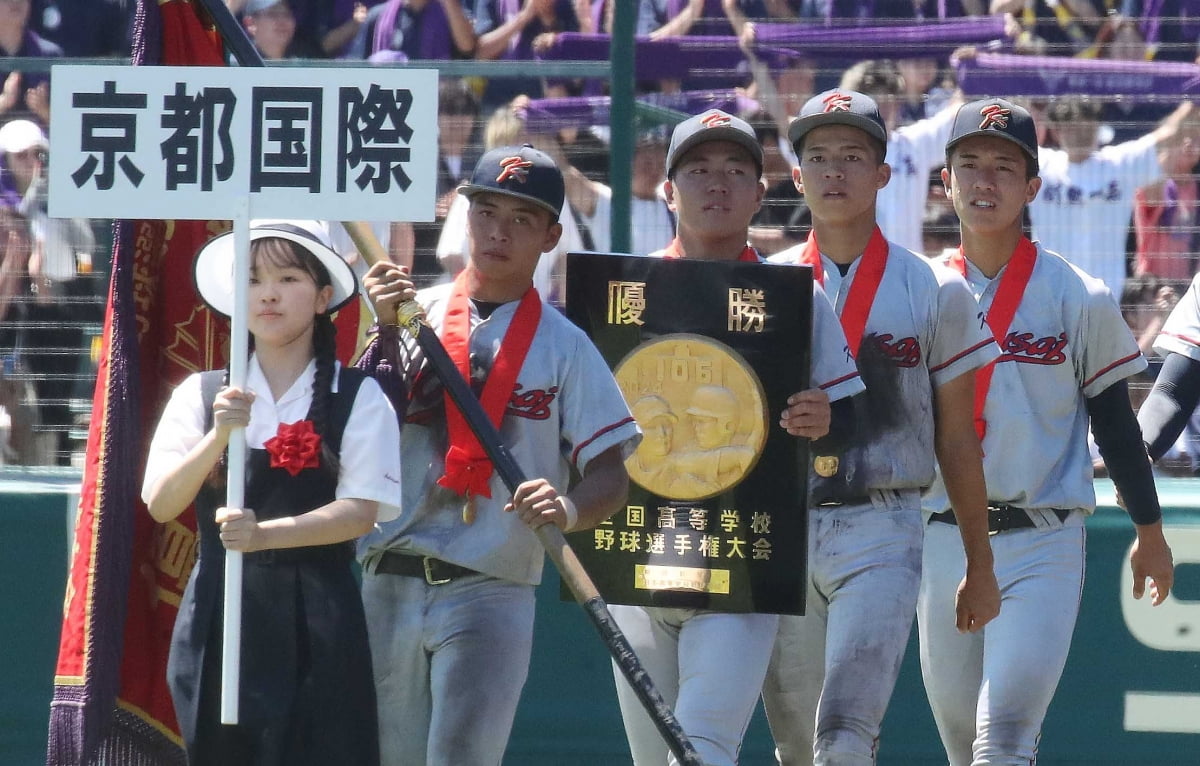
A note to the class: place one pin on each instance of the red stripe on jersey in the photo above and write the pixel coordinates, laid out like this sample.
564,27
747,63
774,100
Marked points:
958,356
1117,363
1185,338
836,381
575,452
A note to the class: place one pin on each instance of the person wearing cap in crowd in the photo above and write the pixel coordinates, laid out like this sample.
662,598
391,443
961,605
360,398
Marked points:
271,24
449,586
714,185
323,464
917,336
51,330
1067,353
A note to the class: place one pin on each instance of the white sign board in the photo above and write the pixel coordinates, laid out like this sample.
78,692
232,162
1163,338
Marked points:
186,142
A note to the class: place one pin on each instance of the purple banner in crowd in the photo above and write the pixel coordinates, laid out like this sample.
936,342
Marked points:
719,59
670,58
931,38
995,74
546,115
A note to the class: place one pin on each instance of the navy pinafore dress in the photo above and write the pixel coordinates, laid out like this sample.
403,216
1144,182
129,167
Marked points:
307,696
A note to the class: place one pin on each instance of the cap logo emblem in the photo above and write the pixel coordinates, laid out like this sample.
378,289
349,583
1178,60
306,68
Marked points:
715,120
994,117
514,167
837,102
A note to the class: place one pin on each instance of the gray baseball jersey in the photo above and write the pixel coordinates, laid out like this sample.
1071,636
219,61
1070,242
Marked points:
1066,342
924,329
913,151
1181,332
566,410
1084,208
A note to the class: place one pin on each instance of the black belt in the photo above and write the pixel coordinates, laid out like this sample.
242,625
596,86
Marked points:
1002,518
431,570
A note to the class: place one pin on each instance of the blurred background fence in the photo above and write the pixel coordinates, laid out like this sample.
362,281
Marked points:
599,84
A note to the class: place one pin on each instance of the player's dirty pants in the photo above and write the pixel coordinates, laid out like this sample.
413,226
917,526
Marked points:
834,669
708,666
449,661
989,690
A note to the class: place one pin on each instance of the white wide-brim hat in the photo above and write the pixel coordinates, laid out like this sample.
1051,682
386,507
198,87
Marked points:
213,270
20,135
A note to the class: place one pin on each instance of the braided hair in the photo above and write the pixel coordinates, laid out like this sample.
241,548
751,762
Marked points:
324,345
283,253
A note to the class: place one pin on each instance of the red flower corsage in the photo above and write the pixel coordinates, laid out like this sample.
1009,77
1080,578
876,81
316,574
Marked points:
294,447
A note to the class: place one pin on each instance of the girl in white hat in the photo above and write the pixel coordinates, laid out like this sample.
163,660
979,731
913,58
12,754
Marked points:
323,447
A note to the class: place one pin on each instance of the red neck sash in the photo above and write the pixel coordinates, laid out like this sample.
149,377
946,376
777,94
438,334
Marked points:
1000,314
468,468
862,292
675,250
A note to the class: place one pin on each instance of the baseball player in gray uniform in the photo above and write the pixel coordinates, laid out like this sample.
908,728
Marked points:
714,172
1176,391
917,336
1066,352
449,586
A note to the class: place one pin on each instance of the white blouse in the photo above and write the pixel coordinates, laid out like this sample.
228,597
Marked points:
370,454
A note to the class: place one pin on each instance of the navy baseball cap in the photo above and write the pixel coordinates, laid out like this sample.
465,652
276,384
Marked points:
839,106
713,125
518,171
996,118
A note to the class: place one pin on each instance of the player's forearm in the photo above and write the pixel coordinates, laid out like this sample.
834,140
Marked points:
1173,399
967,492
843,426
960,460
1120,443
175,491
603,490
335,522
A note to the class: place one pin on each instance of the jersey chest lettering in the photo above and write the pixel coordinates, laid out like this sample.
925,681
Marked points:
1025,348
1072,194
902,352
533,404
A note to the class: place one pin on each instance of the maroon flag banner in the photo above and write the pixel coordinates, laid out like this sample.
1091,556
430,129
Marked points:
127,573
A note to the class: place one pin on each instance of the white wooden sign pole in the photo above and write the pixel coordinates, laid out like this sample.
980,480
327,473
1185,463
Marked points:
239,351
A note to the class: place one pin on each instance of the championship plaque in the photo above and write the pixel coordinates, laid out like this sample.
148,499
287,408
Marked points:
706,355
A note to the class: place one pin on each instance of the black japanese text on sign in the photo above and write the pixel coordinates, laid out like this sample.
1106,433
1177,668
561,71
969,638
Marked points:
168,142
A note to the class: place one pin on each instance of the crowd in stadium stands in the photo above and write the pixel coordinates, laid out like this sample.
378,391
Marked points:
1118,171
